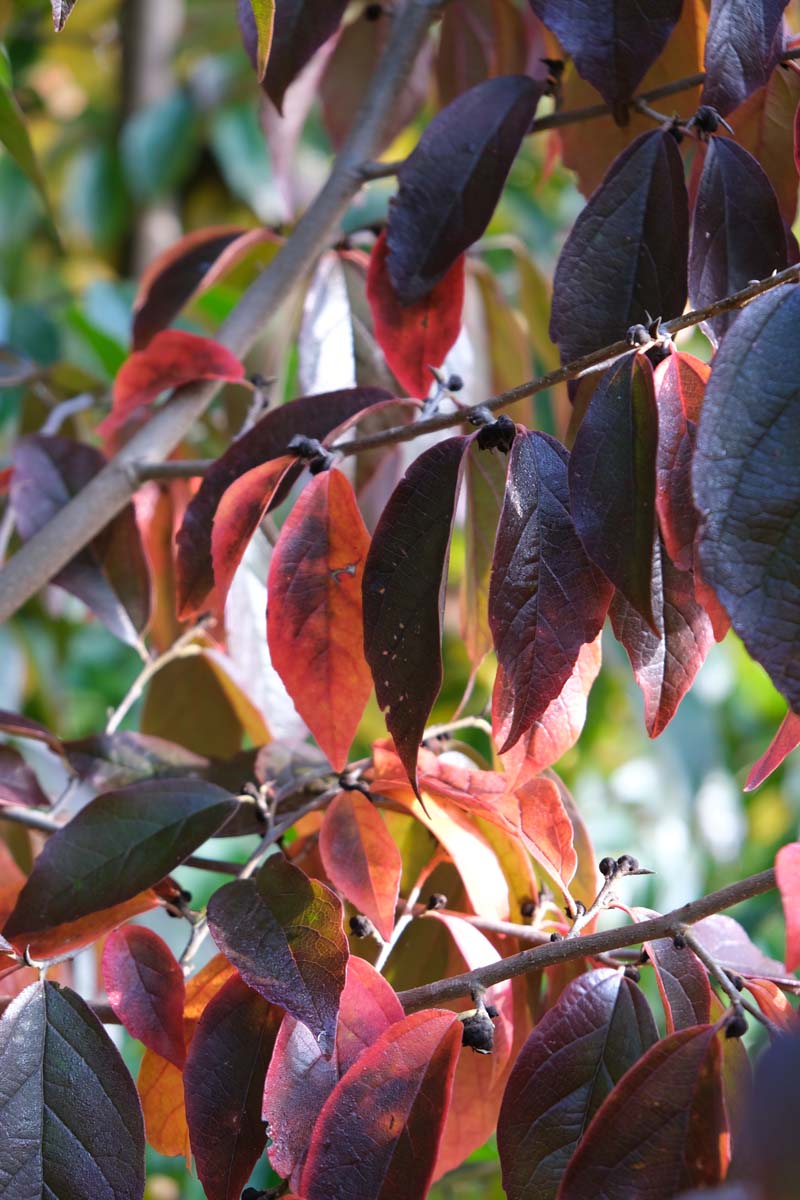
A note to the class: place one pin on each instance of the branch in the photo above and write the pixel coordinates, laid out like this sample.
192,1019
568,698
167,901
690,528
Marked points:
584,947
110,490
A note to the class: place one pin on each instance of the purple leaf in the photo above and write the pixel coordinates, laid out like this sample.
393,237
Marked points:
310,416
626,255
743,44
612,42
747,486
682,983
404,581
547,599
299,29
18,782
726,941
612,480
664,662
600,1026
283,933
737,230
451,182
72,1123
110,576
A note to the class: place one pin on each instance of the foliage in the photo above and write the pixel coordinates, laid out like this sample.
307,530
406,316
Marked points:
410,956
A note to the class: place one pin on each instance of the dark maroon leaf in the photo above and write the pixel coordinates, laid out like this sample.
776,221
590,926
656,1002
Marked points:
452,180
743,44
612,479
223,1082
309,416
666,662
626,255
404,580
768,1155
726,941
300,28
682,983
18,782
546,599
113,760
283,933
747,486
23,727
110,576
680,383
379,1131
581,1048
72,1123
119,844
613,43
737,230
664,1122
145,988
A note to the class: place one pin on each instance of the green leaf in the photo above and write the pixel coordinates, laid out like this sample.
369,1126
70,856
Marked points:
16,139
264,13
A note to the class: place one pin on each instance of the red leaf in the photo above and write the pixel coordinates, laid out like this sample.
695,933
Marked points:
314,612
679,383
379,1131
663,1122
404,594
580,1049
299,1079
547,599
664,663
787,874
238,516
773,1003
361,858
559,726
224,1081
171,359
682,982
796,139
145,988
547,830
414,336
785,741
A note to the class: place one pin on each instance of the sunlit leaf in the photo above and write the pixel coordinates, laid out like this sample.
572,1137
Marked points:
361,858
484,487
787,874
785,741
682,982
145,988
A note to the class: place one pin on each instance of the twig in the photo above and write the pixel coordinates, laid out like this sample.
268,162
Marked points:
380,170
175,468
524,933
183,647
31,818
217,865
613,870
738,1002
434,731
644,108
407,915
588,946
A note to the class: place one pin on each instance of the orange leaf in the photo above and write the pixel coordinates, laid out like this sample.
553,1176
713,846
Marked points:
547,830
414,336
773,1003
171,359
314,615
160,1085
785,741
361,858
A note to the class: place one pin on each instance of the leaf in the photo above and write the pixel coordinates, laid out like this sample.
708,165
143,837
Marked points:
145,988
612,44
560,725
224,1081
188,268
379,1130
61,10
16,139
309,416
546,599
785,741
764,126
682,982
110,575
74,935
547,830
361,858
737,230
18,782
612,480
725,940
478,41
239,514
24,727
679,382
769,1160
117,845
746,488
300,27
581,1048
264,16
773,1003
484,486
626,254
404,582
787,875
451,182
743,45
283,933
299,1079
72,1125
314,613
170,360
414,336
665,1116
664,663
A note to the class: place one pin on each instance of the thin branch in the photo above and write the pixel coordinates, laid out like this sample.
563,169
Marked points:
624,866
78,522
31,818
101,1010
381,170
587,947
183,647
724,981
175,468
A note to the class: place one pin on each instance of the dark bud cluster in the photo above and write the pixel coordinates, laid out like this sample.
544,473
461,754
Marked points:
478,1031
361,926
497,436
